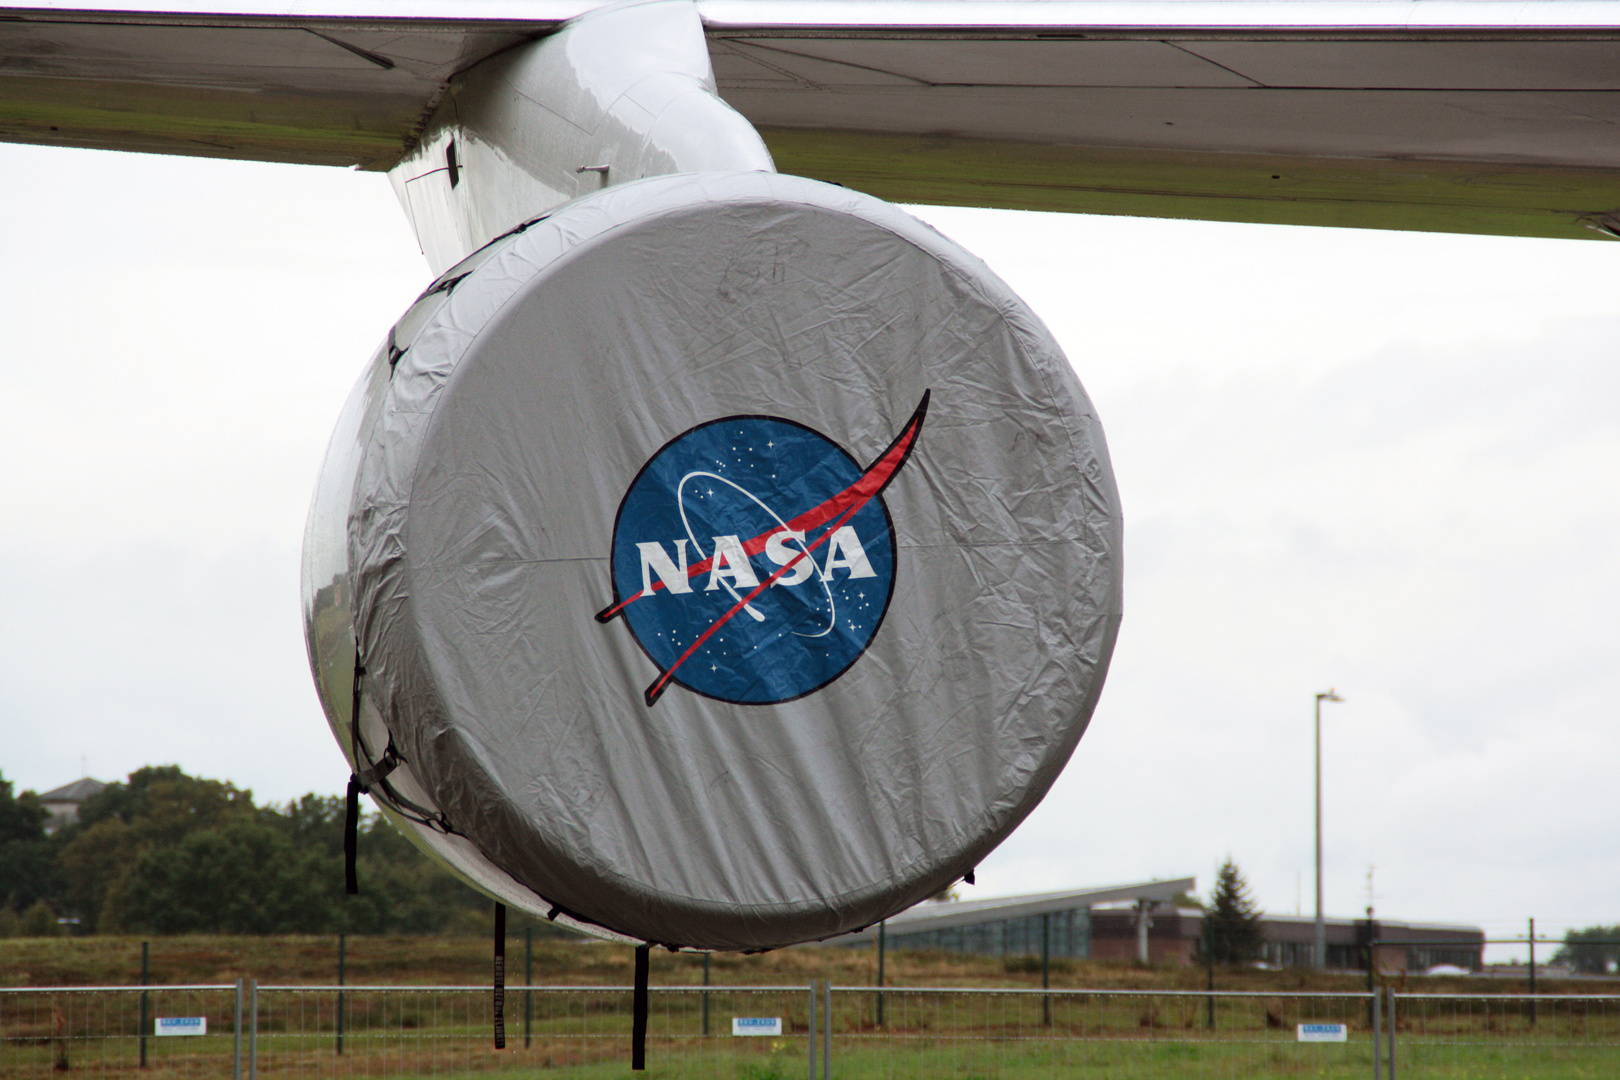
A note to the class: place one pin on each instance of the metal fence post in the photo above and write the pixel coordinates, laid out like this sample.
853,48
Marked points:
1209,969
343,958
236,1051
1046,969
1392,1033
882,948
826,1032
813,995
1532,973
1372,963
146,962
253,1029
706,957
1376,1005
528,984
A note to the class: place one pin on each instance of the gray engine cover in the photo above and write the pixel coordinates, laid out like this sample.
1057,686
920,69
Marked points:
879,718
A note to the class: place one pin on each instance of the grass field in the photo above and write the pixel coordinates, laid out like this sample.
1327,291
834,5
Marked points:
462,960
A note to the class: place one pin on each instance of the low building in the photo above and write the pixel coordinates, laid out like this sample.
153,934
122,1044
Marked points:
1173,933
1143,922
63,803
1397,946
1060,924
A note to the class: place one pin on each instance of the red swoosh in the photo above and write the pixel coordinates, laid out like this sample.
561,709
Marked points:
869,484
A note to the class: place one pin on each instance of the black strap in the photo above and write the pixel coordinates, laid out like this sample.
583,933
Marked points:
351,818
354,712
500,976
638,1015
351,839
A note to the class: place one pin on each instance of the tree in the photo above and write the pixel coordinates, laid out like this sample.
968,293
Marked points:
1592,951
165,803
90,863
21,817
38,921
159,807
403,891
241,877
1232,918
164,852
26,874
313,821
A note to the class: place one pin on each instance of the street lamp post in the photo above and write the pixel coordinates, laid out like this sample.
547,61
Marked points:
1321,923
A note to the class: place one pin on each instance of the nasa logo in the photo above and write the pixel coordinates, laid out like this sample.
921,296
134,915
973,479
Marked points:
753,558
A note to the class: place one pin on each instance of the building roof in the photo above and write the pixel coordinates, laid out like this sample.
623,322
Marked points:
1389,931
1332,920
944,916
77,792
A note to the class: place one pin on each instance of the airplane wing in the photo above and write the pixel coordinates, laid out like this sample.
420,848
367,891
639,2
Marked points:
1451,115
264,86
1469,117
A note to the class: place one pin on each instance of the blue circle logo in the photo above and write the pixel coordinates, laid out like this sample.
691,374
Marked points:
753,558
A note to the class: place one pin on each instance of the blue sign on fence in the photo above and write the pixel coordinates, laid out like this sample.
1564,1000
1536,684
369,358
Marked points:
181,1025
1323,1033
756,1025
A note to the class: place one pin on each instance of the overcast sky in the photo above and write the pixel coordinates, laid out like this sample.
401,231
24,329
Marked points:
1377,461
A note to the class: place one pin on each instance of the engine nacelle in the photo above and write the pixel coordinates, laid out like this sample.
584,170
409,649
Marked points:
732,560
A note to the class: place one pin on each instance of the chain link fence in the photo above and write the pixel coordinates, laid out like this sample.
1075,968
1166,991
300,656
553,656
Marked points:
819,1032
373,1031
1522,1036
111,1031
917,1033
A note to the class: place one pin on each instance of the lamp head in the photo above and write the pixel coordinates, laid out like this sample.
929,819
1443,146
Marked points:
1330,695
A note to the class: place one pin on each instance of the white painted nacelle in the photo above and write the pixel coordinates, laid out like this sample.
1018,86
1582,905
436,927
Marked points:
622,94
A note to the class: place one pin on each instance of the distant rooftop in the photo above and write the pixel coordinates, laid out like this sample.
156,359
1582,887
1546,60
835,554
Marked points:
1332,920
77,792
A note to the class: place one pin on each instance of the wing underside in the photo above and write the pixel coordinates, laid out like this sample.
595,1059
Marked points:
309,91
1448,133
1284,116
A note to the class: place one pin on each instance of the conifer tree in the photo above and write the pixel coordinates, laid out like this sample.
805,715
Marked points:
1232,918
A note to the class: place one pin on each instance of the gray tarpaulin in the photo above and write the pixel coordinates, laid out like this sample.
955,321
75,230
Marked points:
644,406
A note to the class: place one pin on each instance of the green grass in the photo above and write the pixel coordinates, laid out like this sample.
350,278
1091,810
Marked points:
723,1058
